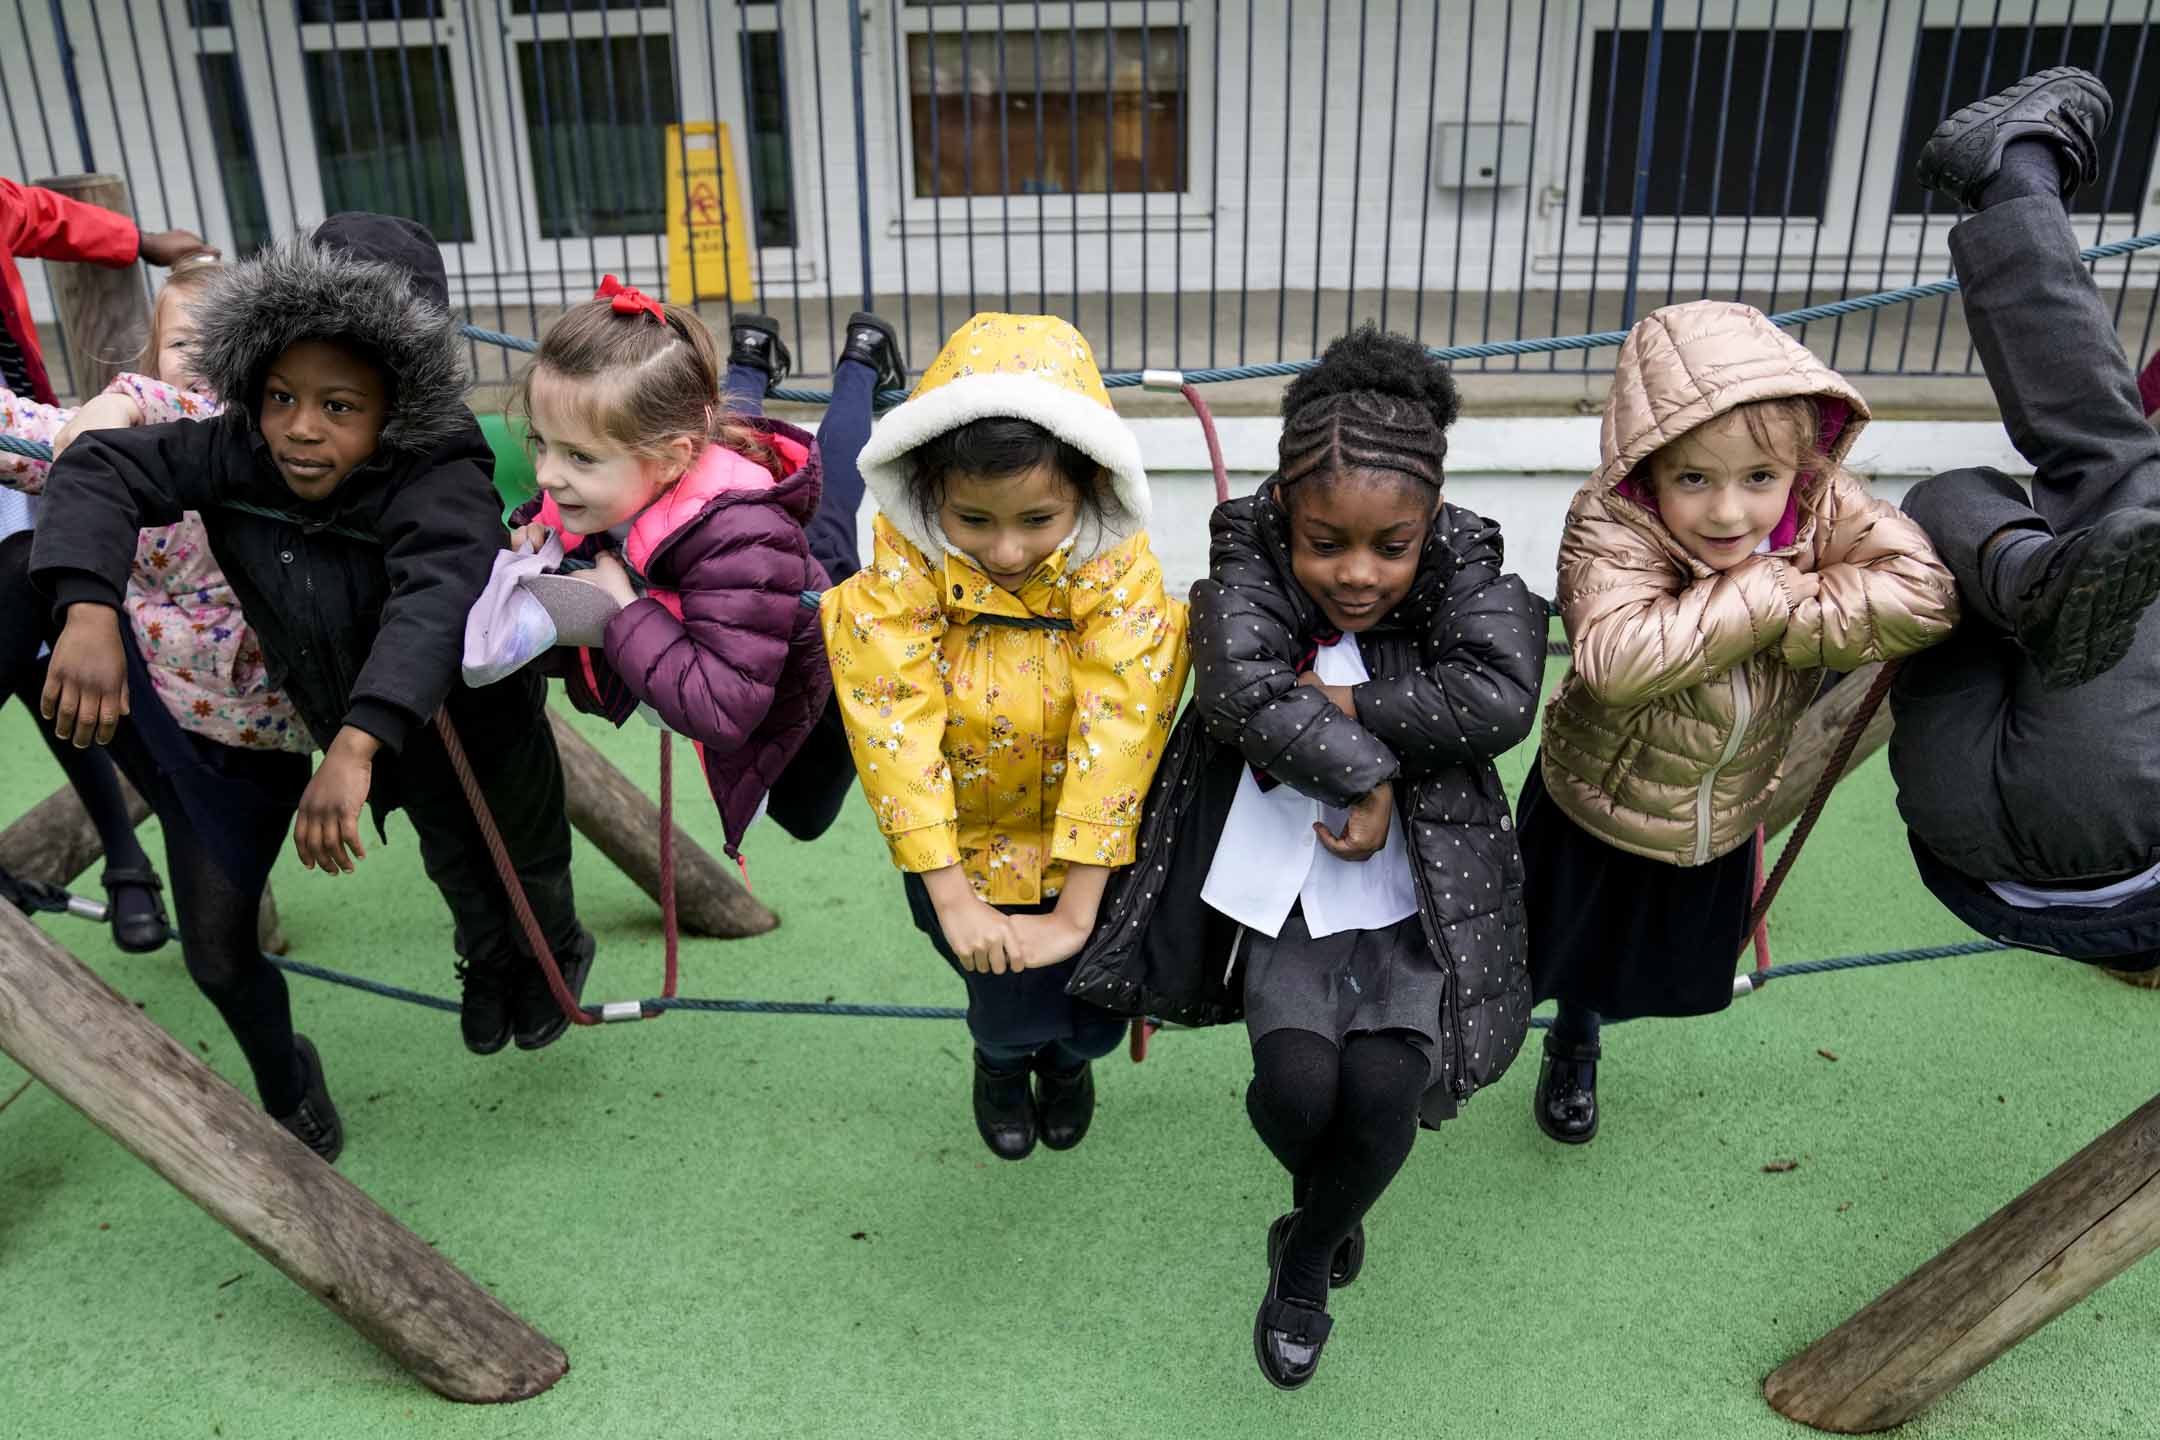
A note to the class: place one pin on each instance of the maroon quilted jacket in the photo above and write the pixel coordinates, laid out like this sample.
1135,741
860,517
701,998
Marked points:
722,645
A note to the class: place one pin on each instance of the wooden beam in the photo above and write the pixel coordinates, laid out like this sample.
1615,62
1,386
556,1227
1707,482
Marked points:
2142,979
613,813
1816,740
55,842
2095,1216
140,1086
104,313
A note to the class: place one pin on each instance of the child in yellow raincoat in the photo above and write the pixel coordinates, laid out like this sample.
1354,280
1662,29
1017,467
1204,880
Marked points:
1008,666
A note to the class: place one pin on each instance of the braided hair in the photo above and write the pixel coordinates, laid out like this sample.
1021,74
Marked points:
1376,402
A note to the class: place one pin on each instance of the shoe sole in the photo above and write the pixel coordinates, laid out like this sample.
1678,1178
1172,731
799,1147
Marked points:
1929,168
488,1049
2097,620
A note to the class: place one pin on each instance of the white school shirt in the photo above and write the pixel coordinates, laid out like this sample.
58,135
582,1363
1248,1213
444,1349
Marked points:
1268,856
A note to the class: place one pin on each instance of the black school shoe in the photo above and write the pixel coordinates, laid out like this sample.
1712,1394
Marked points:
1287,1335
871,341
1565,1106
1004,1110
315,1124
539,1020
2066,105
484,1005
1349,1256
2078,617
1064,1104
754,340
139,925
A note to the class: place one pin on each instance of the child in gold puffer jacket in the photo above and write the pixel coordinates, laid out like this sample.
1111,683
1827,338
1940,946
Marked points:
1717,563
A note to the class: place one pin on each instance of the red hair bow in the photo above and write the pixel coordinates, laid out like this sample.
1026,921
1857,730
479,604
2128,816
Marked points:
630,301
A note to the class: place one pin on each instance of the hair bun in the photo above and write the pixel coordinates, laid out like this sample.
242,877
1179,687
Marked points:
1373,361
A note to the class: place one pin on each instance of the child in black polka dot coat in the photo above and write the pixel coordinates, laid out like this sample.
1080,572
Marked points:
1327,849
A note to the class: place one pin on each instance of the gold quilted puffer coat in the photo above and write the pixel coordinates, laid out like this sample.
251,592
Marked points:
1666,738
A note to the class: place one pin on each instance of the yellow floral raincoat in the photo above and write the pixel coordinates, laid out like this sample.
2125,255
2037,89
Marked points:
1010,733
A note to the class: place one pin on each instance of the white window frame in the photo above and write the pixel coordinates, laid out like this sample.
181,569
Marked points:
1691,236
916,215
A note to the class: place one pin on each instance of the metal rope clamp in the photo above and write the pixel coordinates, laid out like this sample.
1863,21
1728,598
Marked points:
1169,381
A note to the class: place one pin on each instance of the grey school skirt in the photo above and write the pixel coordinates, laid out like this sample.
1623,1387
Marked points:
1353,982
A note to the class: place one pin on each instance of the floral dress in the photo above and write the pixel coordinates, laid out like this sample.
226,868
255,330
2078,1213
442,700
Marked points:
203,659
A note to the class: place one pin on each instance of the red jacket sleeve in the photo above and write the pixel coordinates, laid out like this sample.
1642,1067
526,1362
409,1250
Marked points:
44,225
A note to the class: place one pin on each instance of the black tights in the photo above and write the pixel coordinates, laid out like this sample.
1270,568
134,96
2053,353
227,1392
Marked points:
26,626
218,939
1341,1122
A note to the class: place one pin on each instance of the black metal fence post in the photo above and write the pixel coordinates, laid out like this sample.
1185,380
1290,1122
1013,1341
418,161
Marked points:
1645,127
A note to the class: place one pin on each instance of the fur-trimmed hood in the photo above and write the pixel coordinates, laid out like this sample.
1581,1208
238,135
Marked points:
1030,367
372,281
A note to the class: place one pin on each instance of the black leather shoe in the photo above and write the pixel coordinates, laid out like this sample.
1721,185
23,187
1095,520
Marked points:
2079,616
484,1008
315,1124
754,340
871,340
139,924
1287,1335
1064,1105
1004,1110
540,1021
2066,105
1349,1256
1565,1106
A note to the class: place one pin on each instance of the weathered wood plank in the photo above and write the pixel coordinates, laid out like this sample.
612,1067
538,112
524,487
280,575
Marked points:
60,1022
2088,1221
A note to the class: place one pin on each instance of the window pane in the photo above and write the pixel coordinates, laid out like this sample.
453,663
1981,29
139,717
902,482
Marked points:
1108,121
208,14
596,118
315,12
386,131
571,7
235,145
1981,65
1766,81
772,165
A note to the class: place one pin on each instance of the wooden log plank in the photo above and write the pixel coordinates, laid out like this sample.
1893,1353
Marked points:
104,313
53,841
613,813
2089,1220
136,1083
1816,740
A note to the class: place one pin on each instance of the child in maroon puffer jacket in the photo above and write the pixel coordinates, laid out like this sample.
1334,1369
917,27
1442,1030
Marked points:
693,522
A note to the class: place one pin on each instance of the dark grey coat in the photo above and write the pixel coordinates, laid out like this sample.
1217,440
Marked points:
1456,670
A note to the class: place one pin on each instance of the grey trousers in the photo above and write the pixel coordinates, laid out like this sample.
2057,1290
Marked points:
2000,779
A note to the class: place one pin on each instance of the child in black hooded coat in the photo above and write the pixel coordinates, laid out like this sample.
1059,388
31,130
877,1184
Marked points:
348,497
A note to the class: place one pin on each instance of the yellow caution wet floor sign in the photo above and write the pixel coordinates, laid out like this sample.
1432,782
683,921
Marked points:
708,237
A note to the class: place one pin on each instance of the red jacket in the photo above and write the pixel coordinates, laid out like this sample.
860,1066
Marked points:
47,226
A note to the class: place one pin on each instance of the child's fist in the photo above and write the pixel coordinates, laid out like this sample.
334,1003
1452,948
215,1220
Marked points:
530,537
1365,830
86,690
609,575
1339,694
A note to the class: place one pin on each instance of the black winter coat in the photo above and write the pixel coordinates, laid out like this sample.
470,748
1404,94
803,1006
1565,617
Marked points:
1456,670
359,600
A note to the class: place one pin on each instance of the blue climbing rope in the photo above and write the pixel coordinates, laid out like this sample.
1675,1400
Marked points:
1282,369
948,1012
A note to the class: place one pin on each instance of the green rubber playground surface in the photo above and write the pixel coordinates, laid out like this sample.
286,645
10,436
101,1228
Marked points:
750,1225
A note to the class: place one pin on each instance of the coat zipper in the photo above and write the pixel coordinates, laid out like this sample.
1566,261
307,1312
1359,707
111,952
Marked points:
1743,707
